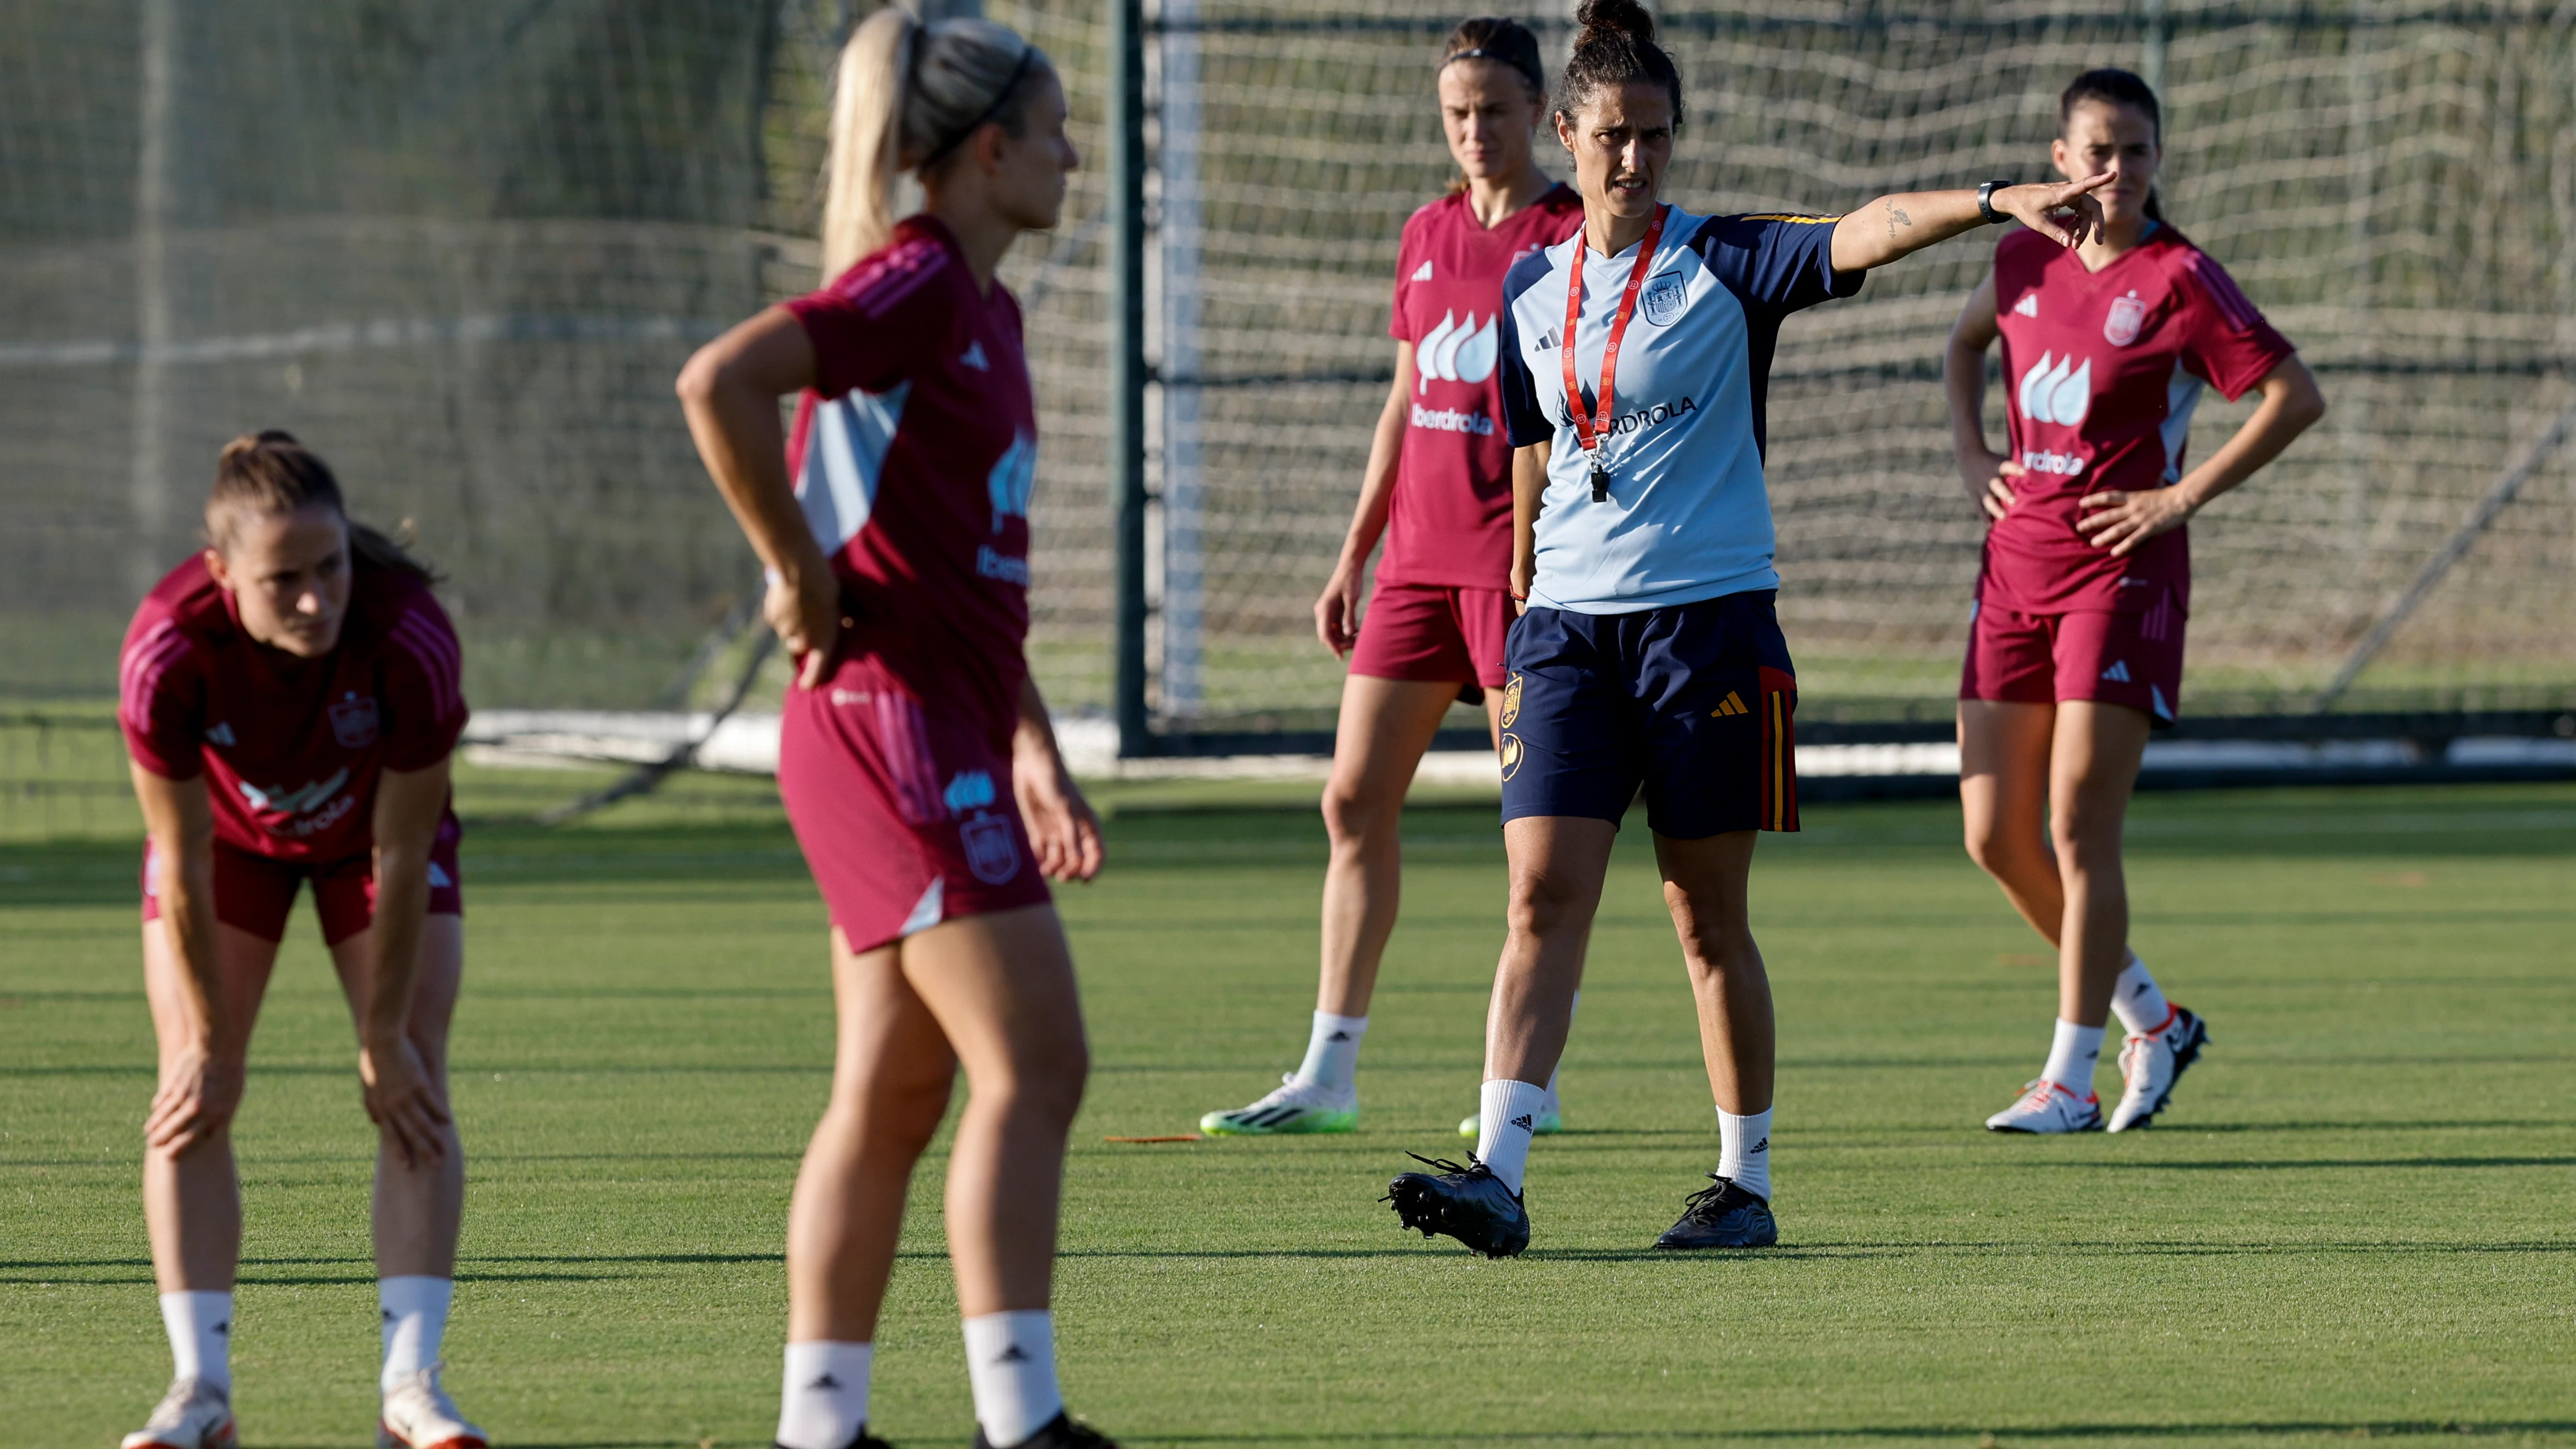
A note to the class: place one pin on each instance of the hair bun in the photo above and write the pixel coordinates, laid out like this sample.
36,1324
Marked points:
1624,18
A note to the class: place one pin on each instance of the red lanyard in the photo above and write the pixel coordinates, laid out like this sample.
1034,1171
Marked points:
1588,431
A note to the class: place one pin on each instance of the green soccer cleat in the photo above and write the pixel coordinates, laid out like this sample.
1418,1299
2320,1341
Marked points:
1297,1107
1549,1120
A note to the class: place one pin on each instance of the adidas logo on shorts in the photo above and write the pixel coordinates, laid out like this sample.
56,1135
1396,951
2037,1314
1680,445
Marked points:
1732,705
2118,673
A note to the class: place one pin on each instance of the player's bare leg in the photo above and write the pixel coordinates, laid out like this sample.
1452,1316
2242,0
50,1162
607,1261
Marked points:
2003,798
1705,887
1385,727
2093,765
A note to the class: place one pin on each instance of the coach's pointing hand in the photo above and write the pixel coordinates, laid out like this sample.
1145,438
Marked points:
2065,212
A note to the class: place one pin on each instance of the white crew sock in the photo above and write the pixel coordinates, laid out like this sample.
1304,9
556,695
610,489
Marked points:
1333,1051
414,1311
1744,1150
823,1400
2139,1001
201,1336
1010,1363
2072,1054
1505,1113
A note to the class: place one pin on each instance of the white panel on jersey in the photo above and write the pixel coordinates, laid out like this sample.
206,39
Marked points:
929,911
844,458
2182,395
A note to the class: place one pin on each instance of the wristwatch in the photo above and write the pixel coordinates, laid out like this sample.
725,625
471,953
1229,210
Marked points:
1986,203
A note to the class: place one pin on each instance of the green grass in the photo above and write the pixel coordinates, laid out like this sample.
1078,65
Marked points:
2354,1223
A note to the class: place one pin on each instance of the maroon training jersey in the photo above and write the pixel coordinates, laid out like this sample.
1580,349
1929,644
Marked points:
913,455
2101,373
292,747
1450,520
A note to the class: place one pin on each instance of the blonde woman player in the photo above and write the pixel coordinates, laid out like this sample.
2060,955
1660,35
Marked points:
2075,652
290,699
1438,490
915,758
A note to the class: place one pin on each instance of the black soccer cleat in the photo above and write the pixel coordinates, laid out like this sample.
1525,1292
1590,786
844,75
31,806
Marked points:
1468,1203
865,1440
1724,1216
1060,1432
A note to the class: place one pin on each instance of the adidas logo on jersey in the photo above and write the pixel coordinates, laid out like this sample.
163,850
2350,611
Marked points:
2118,673
974,357
1455,351
2057,391
221,734
2028,306
1422,273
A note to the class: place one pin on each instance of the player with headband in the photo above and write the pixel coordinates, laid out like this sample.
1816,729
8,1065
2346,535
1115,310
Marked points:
290,700
915,758
1635,359
1438,489
2075,640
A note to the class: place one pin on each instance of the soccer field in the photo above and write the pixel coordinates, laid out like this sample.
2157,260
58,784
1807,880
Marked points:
2354,1222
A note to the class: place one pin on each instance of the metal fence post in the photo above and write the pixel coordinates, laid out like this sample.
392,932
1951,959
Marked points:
1127,376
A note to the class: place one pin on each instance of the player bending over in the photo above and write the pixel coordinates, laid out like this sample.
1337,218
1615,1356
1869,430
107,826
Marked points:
2075,645
1439,488
915,758
1635,360
290,699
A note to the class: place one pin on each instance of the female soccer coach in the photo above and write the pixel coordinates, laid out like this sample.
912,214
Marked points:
1636,355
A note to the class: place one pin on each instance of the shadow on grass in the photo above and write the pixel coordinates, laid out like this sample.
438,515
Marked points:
1903,1432
2293,1164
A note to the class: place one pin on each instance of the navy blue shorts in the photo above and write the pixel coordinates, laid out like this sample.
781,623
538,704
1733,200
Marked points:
1693,701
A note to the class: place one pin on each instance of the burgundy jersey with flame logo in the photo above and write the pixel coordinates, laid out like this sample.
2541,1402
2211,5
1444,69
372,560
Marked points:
2101,373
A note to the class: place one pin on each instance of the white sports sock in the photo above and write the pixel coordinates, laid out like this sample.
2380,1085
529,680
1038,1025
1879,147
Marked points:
201,1336
1744,1150
1010,1363
823,1400
1333,1051
2072,1054
1505,1113
2139,1001
414,1311
1553,1104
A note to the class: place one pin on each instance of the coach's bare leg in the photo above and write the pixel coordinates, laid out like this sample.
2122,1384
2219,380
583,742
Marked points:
192,1201
2093,766
1557,866
2003,801
1385,726
1002,989
419,1209
1705,888
891,1072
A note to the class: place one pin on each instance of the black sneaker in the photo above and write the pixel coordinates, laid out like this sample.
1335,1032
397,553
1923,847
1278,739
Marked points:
1724,1216
1060,1432
1468,1203
865,1440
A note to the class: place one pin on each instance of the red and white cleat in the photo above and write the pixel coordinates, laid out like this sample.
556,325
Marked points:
2153,1061
419,1415
2045,1106
193,1415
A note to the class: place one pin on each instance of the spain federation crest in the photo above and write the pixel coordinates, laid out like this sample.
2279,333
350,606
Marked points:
1662,298
2128,315
1512,701
1511,755
354,722
990,851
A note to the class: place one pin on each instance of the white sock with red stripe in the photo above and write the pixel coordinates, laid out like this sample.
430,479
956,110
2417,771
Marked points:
2140,1003
2072,1055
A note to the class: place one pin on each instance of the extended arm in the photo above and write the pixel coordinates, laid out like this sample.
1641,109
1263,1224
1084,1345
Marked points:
1874,235
1062,828
1529,492
200,1092
1987,473
2121,521
730,391
1337,613
400,1094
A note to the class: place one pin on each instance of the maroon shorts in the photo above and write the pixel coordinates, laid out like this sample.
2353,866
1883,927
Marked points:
256,893
906,816
2131,659
1434,633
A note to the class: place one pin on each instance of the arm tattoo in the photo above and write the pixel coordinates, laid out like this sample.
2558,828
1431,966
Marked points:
1895,219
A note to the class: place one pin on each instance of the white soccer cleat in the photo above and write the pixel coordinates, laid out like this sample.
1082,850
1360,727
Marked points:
1296,1108
419,1415
195,1414
2044,1106
2152,1062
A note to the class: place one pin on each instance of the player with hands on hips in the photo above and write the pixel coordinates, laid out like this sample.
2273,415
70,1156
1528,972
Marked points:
1635,360
1438,490
2076,633
290,699
916,761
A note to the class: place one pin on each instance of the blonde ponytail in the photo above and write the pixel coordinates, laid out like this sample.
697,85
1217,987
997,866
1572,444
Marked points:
908,94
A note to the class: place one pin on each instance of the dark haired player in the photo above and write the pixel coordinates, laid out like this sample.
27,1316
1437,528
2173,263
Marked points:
289,698
2075,649
1635,359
